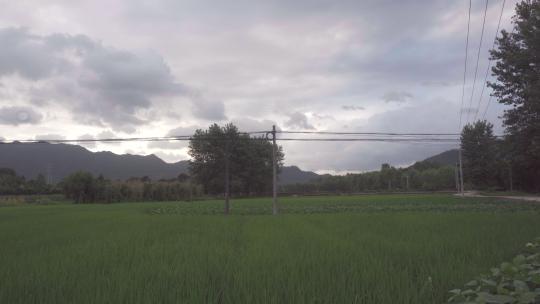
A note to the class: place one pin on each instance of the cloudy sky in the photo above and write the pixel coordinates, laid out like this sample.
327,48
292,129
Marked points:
119,68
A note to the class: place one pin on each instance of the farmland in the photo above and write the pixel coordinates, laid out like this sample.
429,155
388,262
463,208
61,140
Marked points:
341,249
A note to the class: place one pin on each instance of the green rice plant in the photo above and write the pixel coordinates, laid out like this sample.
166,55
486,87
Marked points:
365,249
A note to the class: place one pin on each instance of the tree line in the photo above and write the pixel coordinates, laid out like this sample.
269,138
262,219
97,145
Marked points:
13,184
83,188
422,176
513,161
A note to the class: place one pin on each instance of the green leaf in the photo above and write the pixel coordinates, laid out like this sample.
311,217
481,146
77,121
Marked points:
535,278
528,297
455,291
520,286
472,283
520,259
497,299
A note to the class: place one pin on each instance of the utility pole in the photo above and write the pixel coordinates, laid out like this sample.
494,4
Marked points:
49,178
407,179
274,172
190,185
511,181
456,171
227,173
461,173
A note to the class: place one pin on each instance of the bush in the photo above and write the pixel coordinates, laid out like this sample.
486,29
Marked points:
82,187
513,282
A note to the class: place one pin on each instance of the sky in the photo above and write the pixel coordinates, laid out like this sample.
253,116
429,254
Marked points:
119,68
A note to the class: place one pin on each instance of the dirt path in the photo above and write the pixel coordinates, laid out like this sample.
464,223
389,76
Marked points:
512,197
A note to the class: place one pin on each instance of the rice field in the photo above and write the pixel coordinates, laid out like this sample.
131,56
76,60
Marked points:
342,249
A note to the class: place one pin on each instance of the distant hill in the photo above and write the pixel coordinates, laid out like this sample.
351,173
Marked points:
56,161
449,157
293,175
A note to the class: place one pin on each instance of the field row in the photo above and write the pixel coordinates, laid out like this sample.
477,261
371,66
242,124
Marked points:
346,204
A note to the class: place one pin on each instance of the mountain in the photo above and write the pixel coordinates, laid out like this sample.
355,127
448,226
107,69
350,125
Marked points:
56,161
293,175
449,157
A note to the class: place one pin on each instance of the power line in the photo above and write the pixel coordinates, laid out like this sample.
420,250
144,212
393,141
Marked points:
374,139
190,138
478,59
363,136
368,133
124,139
489,63
465,67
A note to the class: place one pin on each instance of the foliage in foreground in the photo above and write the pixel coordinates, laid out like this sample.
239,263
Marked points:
513,282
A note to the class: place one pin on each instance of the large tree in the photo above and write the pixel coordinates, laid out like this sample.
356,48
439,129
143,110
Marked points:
249,160
517,85
479,147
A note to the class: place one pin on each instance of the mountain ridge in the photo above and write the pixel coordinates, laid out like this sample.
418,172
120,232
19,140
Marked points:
56,161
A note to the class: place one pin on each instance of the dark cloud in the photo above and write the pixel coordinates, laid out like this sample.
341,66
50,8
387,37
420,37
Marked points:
353,108
19,115
257,59
27,55
101,85
213,110
298,120
397,96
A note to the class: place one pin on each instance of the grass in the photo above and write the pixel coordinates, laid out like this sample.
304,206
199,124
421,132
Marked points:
346,249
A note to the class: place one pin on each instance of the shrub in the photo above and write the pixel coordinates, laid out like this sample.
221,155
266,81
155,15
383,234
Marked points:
512,282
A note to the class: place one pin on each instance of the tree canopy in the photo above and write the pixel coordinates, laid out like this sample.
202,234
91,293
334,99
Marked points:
517,72
250,160
480,151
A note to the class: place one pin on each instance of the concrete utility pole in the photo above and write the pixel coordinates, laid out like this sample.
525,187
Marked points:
511,181
456,171
274,172
461,173
407,179
227,173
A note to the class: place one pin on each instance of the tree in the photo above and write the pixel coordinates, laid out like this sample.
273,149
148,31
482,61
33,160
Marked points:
250,160
517,85
10,183
479,148
81,187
